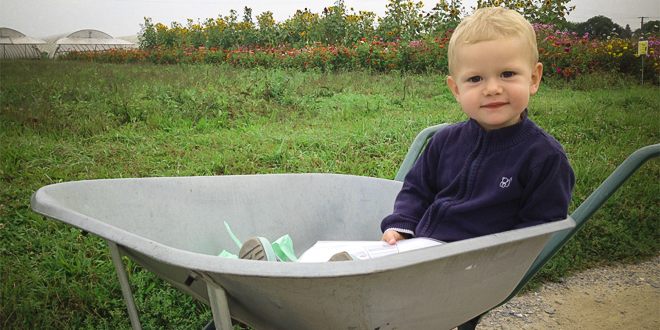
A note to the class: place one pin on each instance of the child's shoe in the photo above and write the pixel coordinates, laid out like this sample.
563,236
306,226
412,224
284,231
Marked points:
257,248
342,256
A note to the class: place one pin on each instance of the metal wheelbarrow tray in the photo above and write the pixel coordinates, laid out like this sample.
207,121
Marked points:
174,227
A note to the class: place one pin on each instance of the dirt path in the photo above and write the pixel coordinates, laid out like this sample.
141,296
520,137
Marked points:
621,297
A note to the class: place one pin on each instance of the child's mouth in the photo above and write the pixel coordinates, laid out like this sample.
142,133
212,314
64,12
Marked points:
494,105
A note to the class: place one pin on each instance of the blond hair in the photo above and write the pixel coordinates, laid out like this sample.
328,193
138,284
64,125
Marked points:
492,23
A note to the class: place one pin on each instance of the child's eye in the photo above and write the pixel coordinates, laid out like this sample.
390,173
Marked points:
474,79
507,74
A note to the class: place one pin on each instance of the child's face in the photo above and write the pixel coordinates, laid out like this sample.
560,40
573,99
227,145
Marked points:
493,81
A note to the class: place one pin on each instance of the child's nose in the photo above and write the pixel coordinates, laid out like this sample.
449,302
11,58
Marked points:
492,87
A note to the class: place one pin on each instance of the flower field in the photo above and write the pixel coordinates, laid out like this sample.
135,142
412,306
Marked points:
407,39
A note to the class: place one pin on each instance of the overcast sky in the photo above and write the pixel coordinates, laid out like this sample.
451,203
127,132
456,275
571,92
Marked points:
42,18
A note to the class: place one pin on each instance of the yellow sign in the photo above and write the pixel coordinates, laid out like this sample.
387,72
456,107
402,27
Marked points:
643,48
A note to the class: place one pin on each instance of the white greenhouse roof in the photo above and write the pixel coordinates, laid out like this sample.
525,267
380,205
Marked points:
83,40
16,45
12,37
91,37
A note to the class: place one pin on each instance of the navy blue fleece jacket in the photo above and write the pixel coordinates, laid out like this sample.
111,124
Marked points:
469,182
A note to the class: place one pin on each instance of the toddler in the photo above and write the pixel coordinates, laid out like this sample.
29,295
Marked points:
498,170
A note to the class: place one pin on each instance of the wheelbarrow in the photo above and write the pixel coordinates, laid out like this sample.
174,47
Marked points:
174,227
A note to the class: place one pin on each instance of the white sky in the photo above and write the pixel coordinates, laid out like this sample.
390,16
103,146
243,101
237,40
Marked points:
42,18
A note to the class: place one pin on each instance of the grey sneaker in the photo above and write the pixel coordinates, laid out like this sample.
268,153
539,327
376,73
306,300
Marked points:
257,248
342,256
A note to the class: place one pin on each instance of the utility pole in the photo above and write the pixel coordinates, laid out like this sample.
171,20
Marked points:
642,27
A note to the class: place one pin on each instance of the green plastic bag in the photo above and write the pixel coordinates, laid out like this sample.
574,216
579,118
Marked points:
283,247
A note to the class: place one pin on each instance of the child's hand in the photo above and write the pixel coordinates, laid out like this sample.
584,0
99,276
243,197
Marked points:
392,236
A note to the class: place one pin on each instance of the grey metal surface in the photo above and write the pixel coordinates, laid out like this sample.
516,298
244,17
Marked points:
173,226
125,286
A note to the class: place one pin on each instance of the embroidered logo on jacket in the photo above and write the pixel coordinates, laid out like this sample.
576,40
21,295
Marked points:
505,182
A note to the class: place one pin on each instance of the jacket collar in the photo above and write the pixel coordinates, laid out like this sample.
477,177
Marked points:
502,138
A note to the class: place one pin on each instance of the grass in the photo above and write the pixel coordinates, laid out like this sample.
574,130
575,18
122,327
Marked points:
63,121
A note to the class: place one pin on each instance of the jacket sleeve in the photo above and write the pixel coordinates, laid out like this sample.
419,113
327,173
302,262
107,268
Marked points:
418,191
547,195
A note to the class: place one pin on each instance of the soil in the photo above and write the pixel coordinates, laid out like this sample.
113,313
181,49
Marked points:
618,297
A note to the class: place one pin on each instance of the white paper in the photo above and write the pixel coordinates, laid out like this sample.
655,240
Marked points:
323,250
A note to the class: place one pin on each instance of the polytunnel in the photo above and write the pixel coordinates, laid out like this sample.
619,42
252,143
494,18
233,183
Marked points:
85,40
15,45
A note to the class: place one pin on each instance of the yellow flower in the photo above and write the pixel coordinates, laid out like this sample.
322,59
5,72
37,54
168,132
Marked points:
496,3
519,5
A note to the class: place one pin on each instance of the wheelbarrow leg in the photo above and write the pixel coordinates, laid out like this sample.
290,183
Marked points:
471,324
219,306
125,286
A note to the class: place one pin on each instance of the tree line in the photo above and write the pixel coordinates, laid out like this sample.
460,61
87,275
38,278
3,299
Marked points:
600,26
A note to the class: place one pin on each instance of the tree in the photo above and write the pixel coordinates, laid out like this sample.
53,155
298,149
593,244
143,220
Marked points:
627,32
599,26
571,26
652,26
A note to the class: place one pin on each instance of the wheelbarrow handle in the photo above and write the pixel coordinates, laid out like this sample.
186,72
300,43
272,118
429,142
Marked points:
587,209
581,215
416,149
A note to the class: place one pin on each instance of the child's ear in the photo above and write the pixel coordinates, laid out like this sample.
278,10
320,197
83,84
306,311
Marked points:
454,88
537,73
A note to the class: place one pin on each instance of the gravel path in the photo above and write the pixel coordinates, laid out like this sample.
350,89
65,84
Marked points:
620,297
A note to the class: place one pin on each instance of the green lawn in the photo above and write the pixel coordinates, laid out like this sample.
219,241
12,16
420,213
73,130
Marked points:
63,121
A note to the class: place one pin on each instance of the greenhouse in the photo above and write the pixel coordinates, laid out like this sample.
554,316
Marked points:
84,40
15,45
